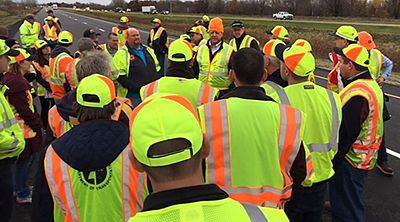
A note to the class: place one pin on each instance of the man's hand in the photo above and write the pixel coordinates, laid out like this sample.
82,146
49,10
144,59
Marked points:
380,81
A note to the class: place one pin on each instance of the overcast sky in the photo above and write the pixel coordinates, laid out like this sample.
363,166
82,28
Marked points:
103,2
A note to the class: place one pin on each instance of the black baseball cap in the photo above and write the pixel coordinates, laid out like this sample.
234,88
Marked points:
237,24
89,33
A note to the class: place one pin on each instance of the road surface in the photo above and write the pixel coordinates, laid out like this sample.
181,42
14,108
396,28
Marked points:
382,192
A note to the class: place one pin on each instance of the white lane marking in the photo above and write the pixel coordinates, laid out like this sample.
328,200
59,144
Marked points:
85,23
102,30
393,153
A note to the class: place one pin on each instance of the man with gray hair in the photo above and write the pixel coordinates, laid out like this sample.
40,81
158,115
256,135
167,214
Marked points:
272,64
111,46
84,45
62,118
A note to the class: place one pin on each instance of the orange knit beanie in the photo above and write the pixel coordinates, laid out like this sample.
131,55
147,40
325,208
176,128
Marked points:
216,25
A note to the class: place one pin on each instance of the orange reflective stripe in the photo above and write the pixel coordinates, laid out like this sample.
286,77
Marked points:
150,89
56,122
70,73
119,107
333,84
50,33
219,162
206,94
127,186
57,170
289,139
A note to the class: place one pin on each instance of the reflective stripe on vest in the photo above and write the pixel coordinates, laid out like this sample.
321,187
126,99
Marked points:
119,105
122,34
205,92
28,132
270,87
255,214
320,147
362,153
57,124
218,67
333,82
8,121
58,175
246,42
216,120
375,63
70,73
50,34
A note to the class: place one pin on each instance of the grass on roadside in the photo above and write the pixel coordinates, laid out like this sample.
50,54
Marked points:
12,16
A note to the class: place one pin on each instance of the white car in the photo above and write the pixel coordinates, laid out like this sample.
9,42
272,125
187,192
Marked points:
282,16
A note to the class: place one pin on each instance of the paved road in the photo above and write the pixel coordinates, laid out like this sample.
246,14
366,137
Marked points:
382,192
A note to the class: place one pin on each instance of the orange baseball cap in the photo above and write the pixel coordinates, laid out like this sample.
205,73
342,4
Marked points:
356,53
365,39
279,32
298,59
269,47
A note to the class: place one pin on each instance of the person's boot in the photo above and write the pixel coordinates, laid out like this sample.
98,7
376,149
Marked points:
385,168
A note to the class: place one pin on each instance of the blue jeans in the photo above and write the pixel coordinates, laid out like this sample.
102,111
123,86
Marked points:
161,60
21,176
382,155
307,203
347,194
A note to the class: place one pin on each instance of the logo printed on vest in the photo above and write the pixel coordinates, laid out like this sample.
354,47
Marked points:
96,180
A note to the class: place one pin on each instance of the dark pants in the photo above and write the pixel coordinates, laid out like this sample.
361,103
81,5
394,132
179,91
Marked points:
382,155
161,60
46,104
6,188
307,203
347,194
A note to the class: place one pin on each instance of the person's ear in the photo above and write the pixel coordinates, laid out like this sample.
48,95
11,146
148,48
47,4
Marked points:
232,75
264,77
205,149
135,163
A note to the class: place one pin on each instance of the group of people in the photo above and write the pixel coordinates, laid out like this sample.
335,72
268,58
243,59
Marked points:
231,132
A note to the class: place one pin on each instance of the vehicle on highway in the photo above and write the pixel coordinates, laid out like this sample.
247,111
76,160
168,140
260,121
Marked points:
149,9
119,10
164,12
283,16
55,6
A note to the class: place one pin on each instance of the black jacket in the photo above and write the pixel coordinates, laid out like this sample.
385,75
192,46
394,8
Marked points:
276,78
139,74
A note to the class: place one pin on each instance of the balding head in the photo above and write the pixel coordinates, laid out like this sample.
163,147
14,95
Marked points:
133,38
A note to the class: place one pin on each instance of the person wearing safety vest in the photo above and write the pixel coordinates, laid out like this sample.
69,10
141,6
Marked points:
360,134
41,66
111,46
196,34
272,64
28,34
257,153
62,117
241,38
279,32
56,19
380,68
213,60
89,175
324,114
12,141
36,25
305,44
121,30
134,65
179,78
344,36
60,57
84,45
50,32
168,143
158,41
21,101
